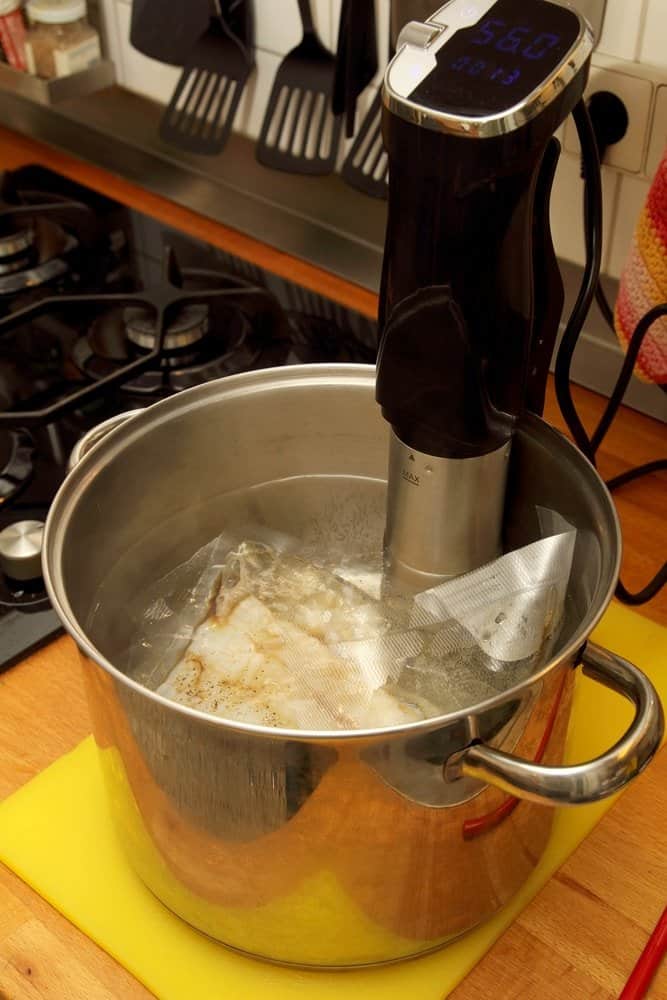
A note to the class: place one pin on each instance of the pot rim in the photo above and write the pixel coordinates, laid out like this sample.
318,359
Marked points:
115,442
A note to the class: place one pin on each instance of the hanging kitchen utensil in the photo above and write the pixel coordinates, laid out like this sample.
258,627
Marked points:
366,166
356,58
168,31
201,112
300,132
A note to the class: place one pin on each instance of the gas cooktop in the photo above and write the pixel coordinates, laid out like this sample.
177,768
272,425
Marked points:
102,310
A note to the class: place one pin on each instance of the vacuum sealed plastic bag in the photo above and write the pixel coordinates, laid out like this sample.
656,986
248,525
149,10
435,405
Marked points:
268,651
256,632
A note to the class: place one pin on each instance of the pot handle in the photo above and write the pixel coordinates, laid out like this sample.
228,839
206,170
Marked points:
579,783
95,434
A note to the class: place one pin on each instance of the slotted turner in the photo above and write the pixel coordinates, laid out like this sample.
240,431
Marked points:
300,133
366,166
201,112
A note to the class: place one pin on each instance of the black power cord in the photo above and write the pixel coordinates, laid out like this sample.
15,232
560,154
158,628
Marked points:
589,282
634,345
623,380
591,288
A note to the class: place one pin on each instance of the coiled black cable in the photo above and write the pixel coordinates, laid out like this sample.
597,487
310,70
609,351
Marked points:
591,288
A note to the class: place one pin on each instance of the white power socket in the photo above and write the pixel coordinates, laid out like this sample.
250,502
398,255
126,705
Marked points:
640,86
637,96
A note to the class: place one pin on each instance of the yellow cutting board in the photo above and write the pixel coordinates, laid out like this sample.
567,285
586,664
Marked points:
56,834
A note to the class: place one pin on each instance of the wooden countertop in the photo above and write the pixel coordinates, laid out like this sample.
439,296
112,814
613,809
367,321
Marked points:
580,936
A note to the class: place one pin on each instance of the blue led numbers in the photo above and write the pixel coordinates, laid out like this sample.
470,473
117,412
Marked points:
540,45
505,76
487,31
512,39
465,64
511,76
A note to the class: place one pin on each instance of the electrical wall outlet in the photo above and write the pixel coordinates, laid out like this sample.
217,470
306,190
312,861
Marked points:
636,93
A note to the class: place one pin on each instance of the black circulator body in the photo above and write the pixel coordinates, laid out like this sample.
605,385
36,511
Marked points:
471,295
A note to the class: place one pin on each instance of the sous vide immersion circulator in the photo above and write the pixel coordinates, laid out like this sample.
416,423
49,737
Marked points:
471,295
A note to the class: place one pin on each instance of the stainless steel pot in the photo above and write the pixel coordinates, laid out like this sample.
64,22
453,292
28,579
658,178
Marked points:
313,848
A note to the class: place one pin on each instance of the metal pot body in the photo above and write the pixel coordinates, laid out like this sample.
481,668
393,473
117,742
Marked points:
312,848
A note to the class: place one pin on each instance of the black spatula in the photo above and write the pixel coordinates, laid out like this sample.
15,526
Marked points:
167,31
201,112
300,132
366,166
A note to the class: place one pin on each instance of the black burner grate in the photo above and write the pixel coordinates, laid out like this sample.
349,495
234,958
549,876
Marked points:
164,301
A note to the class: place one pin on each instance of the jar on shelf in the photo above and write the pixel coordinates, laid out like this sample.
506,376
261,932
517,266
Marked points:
60,41
12,33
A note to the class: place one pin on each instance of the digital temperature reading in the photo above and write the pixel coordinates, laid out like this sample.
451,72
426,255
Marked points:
512,51
519,40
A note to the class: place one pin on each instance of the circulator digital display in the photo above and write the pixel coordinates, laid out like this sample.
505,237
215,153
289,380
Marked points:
501,59
506,47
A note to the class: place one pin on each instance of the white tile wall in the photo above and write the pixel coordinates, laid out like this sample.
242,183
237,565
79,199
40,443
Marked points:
621,28
108,25
654,35
634,30
632,195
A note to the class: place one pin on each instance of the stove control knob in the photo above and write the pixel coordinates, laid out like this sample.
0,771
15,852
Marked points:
21,550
